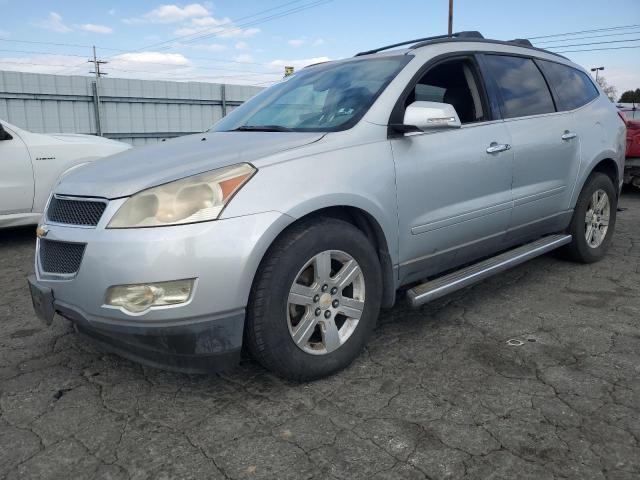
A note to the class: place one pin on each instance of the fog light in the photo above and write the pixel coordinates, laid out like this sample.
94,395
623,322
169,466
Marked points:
141,297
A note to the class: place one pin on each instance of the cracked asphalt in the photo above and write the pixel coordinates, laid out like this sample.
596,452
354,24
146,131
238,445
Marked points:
438,393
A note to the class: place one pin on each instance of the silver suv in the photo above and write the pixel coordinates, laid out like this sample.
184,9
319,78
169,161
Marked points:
288,225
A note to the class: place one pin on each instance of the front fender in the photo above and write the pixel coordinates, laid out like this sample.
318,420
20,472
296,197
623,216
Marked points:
360,176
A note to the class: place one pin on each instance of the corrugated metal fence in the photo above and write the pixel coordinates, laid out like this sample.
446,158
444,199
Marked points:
134,111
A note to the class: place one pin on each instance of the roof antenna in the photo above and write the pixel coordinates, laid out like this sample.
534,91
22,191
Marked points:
450,18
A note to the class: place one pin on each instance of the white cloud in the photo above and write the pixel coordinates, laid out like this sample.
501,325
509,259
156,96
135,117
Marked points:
297,42
221,30
243,58
142,65
91,27
242,45
211,47
41,64
54,23
317,42
174,13
170,59
112,12
209,21
239,32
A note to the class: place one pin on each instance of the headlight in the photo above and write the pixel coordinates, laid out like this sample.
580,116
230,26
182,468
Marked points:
193,199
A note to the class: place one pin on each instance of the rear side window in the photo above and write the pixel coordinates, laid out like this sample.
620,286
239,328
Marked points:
572,87
522,87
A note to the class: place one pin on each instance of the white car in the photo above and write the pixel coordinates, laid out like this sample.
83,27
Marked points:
31,163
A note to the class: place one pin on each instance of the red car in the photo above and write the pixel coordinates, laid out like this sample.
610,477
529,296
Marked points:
631,117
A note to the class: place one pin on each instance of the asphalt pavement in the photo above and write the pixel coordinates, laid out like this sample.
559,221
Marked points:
532,374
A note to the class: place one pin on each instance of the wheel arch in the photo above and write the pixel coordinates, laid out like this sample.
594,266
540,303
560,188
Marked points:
607,165
367,224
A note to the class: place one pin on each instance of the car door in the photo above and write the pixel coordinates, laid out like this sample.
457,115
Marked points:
16,173
546,147
454,195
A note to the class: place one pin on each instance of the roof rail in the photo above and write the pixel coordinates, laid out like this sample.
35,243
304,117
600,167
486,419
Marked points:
522,42
467,34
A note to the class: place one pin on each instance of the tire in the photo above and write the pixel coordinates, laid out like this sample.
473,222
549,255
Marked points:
580,250
271,315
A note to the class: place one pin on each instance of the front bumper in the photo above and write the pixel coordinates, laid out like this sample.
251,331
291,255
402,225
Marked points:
202,334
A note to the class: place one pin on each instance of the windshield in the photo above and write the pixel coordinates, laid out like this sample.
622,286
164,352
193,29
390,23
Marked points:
324,98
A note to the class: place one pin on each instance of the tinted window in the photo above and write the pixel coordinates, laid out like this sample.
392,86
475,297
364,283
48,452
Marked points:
327,97
573,87
521,85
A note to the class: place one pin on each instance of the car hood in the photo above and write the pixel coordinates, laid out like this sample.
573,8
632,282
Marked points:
86,139
129,172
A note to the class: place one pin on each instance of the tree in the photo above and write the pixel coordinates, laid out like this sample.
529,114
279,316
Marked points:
609,90
630,96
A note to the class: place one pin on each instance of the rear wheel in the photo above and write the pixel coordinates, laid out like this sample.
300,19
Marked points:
594,220
315,300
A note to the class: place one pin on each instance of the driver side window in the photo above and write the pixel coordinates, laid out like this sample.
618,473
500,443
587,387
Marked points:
453,82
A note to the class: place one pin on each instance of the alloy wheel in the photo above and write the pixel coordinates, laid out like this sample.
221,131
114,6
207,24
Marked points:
325,302
597,218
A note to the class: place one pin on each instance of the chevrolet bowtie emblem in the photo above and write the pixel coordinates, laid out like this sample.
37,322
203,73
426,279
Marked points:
41,232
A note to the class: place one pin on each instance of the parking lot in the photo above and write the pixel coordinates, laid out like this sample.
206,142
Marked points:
439,393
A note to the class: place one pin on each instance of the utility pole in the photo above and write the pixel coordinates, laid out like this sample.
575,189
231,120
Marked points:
450,18
96,89
96,64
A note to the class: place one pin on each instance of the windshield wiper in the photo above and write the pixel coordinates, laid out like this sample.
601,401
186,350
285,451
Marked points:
261,128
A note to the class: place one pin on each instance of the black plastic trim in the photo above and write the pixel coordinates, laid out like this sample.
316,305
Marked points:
464,34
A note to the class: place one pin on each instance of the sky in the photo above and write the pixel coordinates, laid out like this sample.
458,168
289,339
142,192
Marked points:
250,41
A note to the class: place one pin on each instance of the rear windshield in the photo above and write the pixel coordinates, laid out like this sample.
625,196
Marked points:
324,98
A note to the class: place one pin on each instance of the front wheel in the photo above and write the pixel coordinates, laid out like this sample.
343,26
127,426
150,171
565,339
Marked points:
315,300
594,220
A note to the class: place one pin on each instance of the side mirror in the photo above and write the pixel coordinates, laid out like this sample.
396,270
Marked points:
421,116
4,135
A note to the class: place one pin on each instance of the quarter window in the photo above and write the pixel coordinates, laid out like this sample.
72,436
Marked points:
522,87
572,87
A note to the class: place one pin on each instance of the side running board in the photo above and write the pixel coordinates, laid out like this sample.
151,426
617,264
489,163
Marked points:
451,282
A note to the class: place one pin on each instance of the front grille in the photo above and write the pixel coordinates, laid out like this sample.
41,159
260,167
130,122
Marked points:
61,258
75,212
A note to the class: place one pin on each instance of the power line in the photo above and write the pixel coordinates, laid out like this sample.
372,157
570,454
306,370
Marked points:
587,37
595,43
237,27
622,27
209,59
142,63
180,77
598,49
231,21
285,13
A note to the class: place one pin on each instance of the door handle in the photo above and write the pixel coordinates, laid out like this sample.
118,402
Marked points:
569,135
495,147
